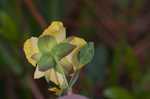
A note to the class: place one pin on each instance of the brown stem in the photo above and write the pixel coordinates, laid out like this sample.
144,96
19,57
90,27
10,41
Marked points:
37,94
40,20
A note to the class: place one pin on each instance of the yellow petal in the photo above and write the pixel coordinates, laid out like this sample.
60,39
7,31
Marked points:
38,74
57,78
53,89
56,90
57,30
79,43
30,48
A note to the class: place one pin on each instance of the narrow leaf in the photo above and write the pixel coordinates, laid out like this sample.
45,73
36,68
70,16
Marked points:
11,61
74,78
131,64
115,66
143,82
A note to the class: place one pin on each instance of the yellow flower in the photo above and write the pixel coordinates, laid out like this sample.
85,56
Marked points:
57,30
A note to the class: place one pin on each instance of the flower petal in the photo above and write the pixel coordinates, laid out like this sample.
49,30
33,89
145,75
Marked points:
56,90
57,30
30,48
57,78
67,66
38,74
72,57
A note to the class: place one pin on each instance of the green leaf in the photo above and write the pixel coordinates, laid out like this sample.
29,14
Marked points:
95,70
9,7
10,60
143,82
8,28
117,93
63,49
74,78
131,64
86,53
46,62
54,8
143,95
115,66
46,43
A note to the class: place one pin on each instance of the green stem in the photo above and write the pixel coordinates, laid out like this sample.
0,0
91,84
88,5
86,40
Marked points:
74,78
59,66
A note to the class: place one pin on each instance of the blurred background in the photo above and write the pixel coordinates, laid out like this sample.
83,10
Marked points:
119,28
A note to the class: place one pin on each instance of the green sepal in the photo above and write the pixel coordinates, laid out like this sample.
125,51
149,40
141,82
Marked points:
46,62
86,53
46,43
63,49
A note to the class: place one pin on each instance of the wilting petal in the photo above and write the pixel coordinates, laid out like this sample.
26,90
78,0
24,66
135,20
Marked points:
38,74
36,56
57,78
63,49
47,75
57,30
30,48
67,66
72,57
56,90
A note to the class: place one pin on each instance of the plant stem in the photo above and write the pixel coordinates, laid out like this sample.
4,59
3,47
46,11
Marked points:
74,78
59,66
